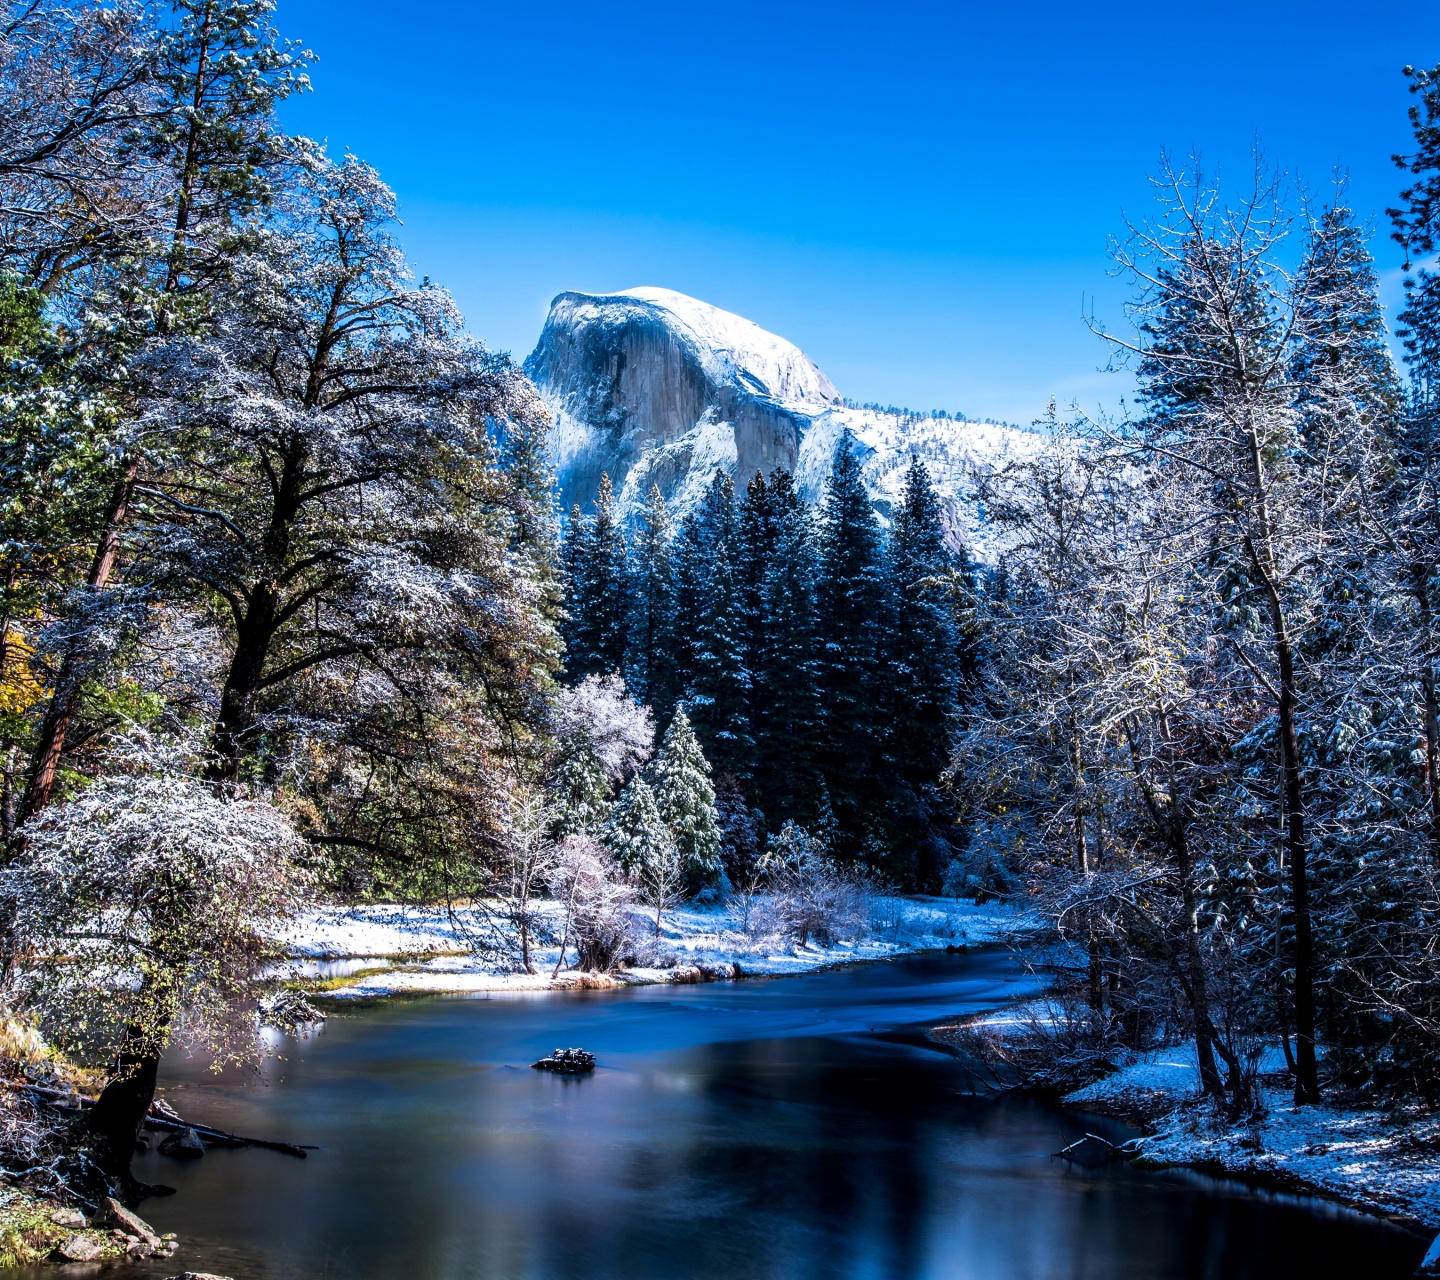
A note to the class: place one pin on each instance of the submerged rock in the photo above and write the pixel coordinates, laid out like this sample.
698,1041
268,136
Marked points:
184,1145
567,1062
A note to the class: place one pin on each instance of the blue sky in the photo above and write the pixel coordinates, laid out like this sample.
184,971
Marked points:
919,195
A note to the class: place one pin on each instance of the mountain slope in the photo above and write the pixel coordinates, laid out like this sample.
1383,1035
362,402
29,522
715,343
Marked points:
654,387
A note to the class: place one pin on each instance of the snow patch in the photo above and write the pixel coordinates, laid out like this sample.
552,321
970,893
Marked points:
433,949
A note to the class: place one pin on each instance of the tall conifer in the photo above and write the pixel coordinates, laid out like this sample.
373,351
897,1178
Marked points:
848,607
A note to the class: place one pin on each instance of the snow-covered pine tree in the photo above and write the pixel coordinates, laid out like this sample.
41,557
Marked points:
598,602
652,600
223,70
574,556
848,608
679,776
579,791
755,537
643,846
707,629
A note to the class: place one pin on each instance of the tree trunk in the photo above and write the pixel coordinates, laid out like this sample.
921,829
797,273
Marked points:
242,683
1197,982
1307,1075
1420,576
112,1125
67,684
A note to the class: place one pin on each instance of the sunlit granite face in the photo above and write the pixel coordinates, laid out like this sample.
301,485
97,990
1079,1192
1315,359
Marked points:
655,388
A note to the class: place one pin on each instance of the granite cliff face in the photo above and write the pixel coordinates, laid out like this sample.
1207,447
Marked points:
653,387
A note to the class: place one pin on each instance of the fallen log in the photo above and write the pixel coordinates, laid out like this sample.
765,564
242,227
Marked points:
218,1137
63,1100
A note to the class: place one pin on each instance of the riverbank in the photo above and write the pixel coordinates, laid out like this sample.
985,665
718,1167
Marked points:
383,950
1382,1162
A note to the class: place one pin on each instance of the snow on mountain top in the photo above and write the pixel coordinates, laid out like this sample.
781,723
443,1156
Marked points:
762,362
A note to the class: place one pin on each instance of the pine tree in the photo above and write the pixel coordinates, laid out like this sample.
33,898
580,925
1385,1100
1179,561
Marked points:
755,538
680,778
921,661
635,832
644,847
922,648
652,600
224,71
574,557
599,590
579,792
786,700
707,640
848,599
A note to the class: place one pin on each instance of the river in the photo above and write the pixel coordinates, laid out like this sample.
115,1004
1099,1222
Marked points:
760,1130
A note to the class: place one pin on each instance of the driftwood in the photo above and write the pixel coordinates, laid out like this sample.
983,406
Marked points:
61,1100
1082,1152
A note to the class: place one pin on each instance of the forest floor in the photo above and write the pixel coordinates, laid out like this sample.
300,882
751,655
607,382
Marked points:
1385,1162
383,950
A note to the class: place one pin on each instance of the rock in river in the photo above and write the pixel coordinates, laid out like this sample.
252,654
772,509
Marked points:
569,1062
184,1145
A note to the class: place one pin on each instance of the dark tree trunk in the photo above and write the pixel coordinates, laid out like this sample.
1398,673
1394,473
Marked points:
1307,1075
112,1125
242,683
1420,575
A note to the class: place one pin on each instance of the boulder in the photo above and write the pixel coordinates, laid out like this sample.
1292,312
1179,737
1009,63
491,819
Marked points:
184,1145
115,1215
71,1219
80,1248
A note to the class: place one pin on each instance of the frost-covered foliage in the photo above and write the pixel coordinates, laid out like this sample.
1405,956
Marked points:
598,898
600,714
807,897
145,906
329,486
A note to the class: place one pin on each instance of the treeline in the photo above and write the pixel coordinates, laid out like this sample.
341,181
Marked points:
1205,737
820,659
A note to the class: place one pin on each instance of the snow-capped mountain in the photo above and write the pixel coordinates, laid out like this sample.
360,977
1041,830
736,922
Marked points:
654,387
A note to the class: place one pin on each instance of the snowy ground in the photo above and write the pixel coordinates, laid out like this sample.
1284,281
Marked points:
1366,1157
1371,1159
386,950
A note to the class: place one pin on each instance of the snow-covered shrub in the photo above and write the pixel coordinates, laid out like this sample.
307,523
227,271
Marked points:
599,904
145,907
807,895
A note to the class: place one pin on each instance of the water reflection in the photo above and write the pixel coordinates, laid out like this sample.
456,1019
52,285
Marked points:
734,1132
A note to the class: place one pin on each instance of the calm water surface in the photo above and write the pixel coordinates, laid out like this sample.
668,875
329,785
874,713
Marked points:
761,1130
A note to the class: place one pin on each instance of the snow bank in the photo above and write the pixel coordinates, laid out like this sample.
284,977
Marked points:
1362,1156
434,950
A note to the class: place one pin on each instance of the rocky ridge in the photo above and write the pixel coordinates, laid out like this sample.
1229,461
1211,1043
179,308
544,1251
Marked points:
654,387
